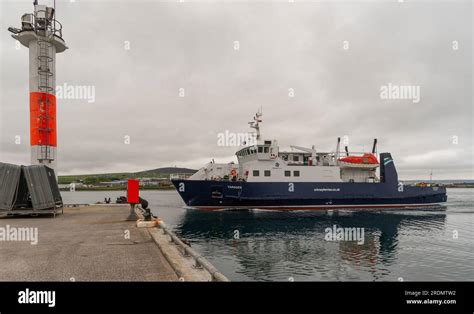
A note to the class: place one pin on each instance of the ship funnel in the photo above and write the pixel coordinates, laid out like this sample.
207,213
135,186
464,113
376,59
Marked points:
388,173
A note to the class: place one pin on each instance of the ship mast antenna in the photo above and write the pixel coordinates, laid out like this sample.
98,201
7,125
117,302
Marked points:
255,124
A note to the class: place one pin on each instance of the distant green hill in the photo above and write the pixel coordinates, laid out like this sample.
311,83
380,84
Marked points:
164,171
107,177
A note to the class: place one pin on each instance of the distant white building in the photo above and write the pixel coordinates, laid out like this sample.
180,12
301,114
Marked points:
149,181
114,183
72,185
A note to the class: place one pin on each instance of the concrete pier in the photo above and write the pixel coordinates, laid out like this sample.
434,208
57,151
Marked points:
91,243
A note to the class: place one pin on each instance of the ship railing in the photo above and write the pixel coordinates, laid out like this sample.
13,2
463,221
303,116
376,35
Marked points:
179,176
424,184
344,154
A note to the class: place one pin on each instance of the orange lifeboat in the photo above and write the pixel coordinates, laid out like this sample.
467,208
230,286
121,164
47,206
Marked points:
365,161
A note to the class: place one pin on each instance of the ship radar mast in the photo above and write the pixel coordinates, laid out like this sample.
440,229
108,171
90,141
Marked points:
255,124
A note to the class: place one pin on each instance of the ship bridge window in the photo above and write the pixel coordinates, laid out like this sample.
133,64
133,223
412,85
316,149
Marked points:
267,173
296,173
296,158
265,149
260,149
268,142
287,173
256,173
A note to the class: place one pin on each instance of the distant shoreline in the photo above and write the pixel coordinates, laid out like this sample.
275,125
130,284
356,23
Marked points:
121,188
468,186
457,186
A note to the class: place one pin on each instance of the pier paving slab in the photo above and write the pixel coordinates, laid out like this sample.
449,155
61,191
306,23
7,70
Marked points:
86,243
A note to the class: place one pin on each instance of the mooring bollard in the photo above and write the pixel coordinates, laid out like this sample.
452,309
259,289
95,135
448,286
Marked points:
146,212
133,198
132,216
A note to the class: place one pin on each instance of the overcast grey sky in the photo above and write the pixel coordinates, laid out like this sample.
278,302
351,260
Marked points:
336,56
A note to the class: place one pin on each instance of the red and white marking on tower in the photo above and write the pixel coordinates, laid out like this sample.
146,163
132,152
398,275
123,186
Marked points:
42,35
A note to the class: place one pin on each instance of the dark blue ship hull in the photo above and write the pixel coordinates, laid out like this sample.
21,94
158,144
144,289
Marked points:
210,194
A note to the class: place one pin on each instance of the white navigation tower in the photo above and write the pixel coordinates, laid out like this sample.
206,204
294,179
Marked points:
42,35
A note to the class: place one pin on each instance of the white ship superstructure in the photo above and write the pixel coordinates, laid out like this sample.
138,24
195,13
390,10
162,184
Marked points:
264,162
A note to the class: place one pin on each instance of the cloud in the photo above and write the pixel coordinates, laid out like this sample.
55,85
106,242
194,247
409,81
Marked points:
432,157
282,45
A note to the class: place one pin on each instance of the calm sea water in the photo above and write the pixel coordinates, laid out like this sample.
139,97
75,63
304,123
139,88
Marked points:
428,244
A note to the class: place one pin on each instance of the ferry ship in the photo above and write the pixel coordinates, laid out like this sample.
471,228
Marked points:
303,178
